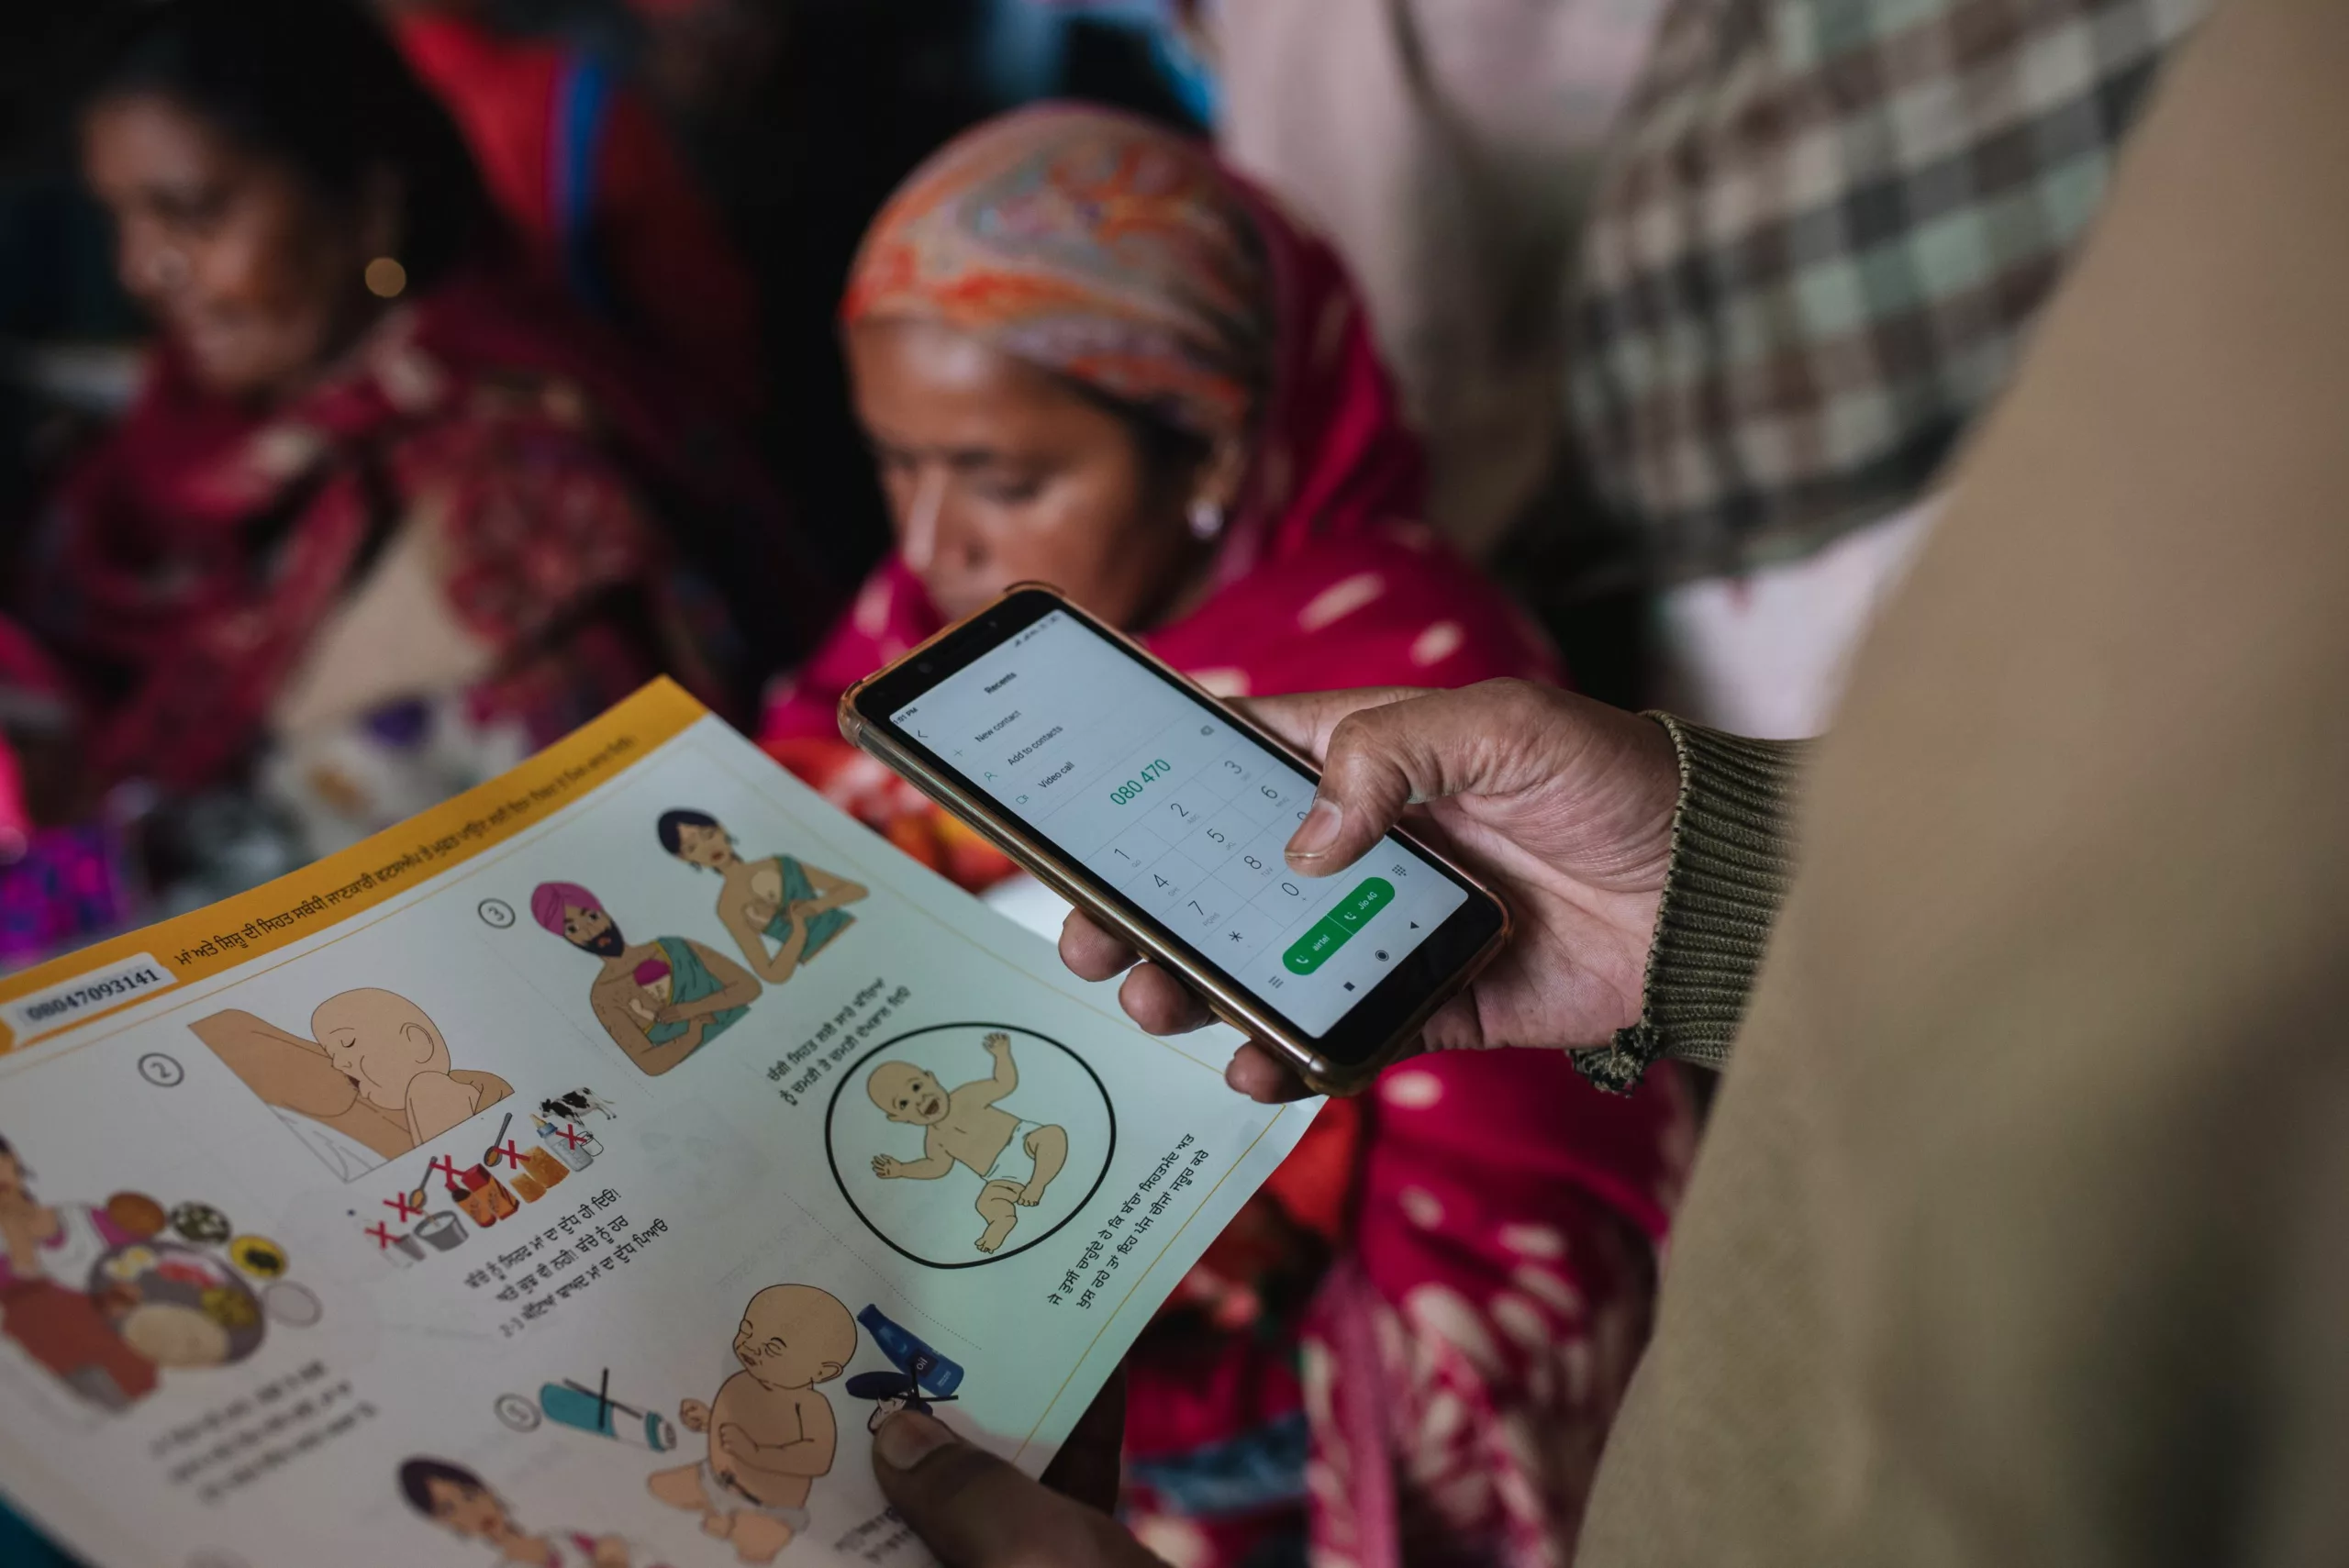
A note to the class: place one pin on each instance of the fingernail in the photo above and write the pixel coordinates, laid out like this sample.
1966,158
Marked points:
908,1437
1317,831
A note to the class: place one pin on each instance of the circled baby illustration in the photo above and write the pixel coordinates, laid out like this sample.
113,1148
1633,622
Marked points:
660,1001
1014,1159
773,898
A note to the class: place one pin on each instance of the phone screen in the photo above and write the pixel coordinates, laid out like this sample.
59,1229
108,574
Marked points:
1162,797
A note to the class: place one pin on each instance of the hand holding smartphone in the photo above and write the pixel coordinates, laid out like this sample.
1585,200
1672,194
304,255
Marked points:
1163,813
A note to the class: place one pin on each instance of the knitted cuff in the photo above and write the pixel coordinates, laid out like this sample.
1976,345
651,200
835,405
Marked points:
1733,855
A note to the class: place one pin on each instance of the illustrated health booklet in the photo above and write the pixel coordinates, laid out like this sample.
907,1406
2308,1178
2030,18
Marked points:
577,1175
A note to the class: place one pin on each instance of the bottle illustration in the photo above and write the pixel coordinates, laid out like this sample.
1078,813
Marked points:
933,1372
572,1150
570,1405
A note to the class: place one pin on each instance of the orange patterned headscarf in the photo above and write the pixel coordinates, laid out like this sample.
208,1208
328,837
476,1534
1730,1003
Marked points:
1089,243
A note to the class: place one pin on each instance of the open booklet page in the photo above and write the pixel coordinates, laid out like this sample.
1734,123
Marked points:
577,1175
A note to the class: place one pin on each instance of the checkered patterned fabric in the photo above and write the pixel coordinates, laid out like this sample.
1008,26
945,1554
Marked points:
1824,233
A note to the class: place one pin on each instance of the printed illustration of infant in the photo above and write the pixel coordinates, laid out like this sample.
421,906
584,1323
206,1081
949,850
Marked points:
384,1044
1014,1159
766,893
654,983
771,1433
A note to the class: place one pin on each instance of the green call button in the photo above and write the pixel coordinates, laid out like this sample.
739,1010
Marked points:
1309,951
1355,910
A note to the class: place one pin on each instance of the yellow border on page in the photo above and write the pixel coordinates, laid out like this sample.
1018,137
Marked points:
203,942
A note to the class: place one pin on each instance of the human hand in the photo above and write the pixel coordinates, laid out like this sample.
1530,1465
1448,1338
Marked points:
977,1511
1563,804
997,1044
736,1444
694,1415
885,1168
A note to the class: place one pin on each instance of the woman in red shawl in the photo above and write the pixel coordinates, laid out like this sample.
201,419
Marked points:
379,522
1087,353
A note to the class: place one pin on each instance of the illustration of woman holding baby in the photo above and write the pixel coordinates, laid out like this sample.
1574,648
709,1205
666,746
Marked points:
774,898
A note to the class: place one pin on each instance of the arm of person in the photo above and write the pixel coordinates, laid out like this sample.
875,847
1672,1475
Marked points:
1643,859
436,1103
832,892
1006,1077
1731,860
738,987
773,968
650,1059
934,1162
809,1454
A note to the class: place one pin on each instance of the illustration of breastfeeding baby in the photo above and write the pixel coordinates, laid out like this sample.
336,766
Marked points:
773,898
1014,1159
771,1431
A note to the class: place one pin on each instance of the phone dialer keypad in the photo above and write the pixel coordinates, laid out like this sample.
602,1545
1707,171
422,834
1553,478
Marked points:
1180,816
1239,936
1199,916
1133,852
1268,796
1217,839
1163,887
1243,764
1285,897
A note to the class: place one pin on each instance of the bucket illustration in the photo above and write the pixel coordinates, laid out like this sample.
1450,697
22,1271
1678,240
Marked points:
440,1232
569,1405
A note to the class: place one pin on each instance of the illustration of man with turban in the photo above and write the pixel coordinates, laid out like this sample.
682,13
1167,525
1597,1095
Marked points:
660,1001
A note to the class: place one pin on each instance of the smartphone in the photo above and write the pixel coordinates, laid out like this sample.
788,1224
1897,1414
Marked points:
1163,813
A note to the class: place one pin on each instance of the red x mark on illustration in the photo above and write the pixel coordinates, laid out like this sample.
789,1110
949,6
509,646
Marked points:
382,1235
513,1155
570,1135
446,1166
406,1208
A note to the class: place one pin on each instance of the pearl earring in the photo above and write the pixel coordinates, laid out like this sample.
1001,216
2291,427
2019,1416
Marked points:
1207,520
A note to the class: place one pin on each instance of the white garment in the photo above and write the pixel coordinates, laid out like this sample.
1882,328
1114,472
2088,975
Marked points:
1446,148
1766,654
1009,1164
343,1154
68,1257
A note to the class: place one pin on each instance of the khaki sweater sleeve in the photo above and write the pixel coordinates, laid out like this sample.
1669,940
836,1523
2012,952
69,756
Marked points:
1733,855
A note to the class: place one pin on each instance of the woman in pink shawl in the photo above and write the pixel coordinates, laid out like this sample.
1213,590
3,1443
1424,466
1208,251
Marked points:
1087,353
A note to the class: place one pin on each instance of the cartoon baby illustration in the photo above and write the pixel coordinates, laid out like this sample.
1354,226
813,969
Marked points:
770,1432
460,1502
376,1083
1014,1159
776,898
660,1001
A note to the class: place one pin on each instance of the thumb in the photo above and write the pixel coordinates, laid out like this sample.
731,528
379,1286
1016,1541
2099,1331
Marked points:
1383,758
976,1510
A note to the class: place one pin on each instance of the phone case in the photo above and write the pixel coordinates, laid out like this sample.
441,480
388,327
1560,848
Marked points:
1231,1004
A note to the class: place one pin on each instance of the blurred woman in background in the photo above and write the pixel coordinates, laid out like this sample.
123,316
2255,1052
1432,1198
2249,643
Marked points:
1086,353
383,519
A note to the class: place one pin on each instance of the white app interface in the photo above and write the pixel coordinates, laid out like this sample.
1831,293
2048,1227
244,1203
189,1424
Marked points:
1181,812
